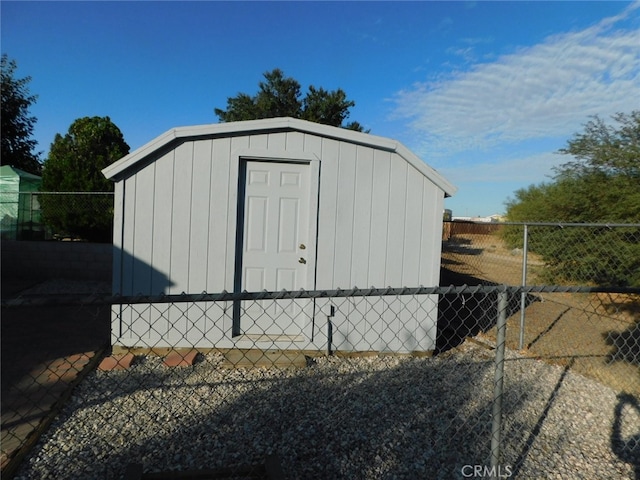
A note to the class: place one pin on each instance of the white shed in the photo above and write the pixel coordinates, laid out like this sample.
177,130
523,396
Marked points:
274,204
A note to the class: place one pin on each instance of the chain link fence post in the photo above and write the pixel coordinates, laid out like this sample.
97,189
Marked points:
498,384
523,295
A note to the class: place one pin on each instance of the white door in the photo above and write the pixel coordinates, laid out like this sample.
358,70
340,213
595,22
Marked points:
275,253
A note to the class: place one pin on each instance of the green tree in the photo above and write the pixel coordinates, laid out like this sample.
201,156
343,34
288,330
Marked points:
605,149
17,124
74,164
599,184
280,96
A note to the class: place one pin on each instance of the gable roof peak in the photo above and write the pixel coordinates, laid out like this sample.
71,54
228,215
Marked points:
117,169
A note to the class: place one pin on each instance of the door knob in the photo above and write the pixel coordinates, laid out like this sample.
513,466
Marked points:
302,260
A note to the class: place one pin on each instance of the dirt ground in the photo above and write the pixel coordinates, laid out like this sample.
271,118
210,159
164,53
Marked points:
596,335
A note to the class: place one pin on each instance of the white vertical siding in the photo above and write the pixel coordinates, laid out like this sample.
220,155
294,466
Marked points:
413,227
221,185
396,224
181,218
128,225
142,241
200,216
313,144
277,141
162,215
431,241
362,215
118,217
295,141
379,219
327,213
344,215
259,141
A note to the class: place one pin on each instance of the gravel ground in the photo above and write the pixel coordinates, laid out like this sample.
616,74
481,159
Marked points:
357,418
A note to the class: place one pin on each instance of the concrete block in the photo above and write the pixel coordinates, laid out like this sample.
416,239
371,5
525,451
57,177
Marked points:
180,358
116,362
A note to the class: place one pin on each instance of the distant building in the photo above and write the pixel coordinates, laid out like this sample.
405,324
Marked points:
496,217
19,207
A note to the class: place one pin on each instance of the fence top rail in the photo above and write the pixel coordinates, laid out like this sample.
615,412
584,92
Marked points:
548,224
59,193
75,299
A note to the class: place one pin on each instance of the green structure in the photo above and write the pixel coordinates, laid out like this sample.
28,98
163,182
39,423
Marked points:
19,206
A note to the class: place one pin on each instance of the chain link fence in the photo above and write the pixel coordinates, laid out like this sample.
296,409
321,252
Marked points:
56,215
551,253
539,253
435,387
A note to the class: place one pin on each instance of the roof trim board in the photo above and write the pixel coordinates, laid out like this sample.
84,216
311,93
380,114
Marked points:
274,124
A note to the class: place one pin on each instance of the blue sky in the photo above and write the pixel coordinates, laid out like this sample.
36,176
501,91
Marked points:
484,92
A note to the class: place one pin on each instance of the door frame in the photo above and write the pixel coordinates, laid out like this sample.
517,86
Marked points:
240,158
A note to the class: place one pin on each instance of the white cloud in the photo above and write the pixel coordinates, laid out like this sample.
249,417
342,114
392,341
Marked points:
468,52
530,169
545,90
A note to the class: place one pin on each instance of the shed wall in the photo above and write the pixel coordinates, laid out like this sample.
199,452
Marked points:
379,224
379,221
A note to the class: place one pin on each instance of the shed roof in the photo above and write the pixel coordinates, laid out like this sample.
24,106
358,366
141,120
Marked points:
9,171
14,180
118,169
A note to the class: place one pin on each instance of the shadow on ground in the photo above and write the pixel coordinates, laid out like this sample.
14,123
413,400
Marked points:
466,315
419,418
321,437
34,336
625,344
627,448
